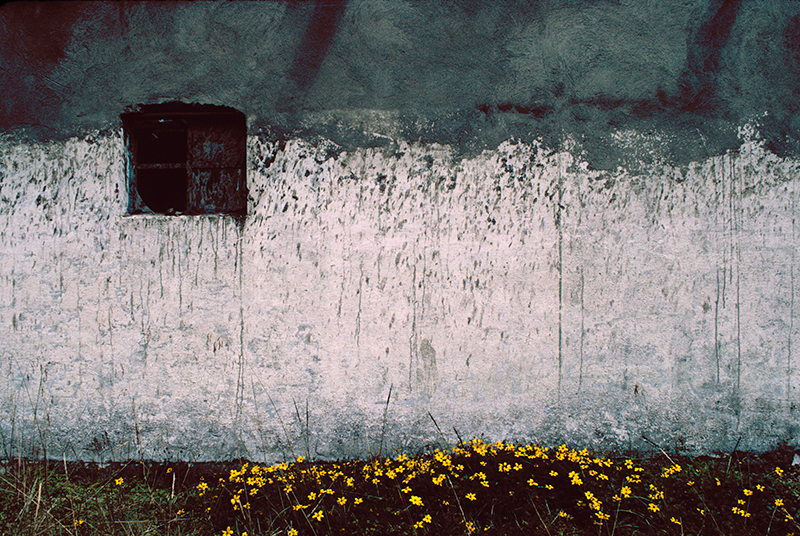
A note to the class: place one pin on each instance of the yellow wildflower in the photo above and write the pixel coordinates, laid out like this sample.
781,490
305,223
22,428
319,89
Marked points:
471,496
653,507
416,500
119,481
575,479
358,500
778,502
227,532
292,532
779,471
748,492
318,515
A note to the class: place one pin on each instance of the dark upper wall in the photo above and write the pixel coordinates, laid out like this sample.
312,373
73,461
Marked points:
469,73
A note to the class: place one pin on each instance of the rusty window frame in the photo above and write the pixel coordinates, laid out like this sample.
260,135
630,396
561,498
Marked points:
186,159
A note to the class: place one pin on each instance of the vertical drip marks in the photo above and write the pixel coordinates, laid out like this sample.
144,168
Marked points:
412,341
161,249
720,284
179,274
240,269
583,335
735,222
341,291
111,337
199,248
716,326
560,277
215,239
146,332
78,308
358,314
791,316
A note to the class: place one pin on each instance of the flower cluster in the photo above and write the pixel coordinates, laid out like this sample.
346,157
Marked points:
479,486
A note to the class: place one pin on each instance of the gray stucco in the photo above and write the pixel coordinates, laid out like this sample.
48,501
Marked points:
469,74
563,221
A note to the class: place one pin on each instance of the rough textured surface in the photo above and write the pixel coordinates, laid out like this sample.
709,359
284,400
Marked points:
514,294
468,74
576,223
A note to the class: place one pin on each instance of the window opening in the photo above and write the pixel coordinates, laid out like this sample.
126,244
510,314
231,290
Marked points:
186,159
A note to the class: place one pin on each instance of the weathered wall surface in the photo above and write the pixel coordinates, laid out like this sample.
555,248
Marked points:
513,294
539,221
463,73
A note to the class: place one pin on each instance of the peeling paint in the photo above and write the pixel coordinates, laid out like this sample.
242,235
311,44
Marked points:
516,294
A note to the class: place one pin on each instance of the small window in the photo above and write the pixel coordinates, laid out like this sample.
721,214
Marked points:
186,159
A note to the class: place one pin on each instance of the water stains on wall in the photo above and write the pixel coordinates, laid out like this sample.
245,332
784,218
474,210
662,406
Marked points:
515,294
549,226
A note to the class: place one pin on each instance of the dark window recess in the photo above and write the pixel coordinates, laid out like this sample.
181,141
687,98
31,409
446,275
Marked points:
186,159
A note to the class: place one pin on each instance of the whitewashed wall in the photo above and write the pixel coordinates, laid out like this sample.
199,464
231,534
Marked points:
514,295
